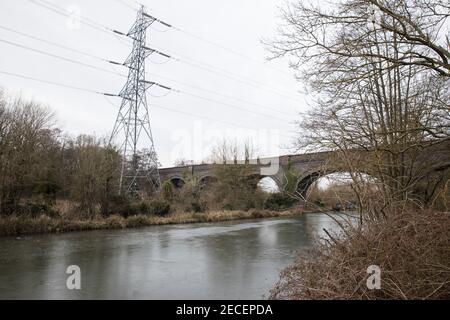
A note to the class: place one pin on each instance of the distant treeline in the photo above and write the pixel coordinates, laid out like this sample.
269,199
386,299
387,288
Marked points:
39,163
44,171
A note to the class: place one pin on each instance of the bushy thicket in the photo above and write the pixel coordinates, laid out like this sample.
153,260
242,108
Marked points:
233,188
381,70
44,171
155,207
236,188
412,251
337,193
279,202
39,164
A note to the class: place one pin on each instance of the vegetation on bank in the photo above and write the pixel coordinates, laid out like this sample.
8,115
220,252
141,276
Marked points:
412,251
17,226
380,71
51,182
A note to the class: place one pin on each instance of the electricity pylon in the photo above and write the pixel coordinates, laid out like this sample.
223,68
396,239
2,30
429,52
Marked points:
139,166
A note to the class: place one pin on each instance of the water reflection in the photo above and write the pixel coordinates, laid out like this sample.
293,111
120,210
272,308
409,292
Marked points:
233,260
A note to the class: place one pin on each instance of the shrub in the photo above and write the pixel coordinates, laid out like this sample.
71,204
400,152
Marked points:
411,249
120,205
235,188
279,202
199,206
158,208
47,190
196,207
167,191
249,204
258,214
137,221
37,209
197,216
115,222
228,207
143,208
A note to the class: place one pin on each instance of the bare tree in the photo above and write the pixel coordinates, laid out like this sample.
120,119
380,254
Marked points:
381,72
235,186
342,30
95,175
26,133
183,162
228,151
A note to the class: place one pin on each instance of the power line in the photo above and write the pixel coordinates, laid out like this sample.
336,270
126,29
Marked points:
237,53
218,45
208,118
62,11
217,93
199,116
229,105
87,22
212,69
105,60
106,95
121,75
67,86
234,78
51,82
60,57
223,73
220,72
173,110
193,115
53,43
126,5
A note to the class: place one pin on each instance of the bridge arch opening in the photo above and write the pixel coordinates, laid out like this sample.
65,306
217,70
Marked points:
268,185
177,182
332,190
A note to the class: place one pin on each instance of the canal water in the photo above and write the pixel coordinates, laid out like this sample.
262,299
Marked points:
232,260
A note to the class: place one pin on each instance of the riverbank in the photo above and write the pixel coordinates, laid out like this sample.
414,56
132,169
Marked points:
411,250
17,226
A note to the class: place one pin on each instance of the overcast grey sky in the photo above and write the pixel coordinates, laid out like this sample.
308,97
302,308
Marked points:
235,24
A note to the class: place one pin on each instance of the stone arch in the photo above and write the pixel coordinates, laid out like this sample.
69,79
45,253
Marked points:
309,179
177,182
269,184
305,182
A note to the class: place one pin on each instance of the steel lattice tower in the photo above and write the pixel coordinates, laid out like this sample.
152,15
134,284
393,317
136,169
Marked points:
139,166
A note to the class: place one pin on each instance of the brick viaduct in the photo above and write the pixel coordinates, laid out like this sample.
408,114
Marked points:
308,168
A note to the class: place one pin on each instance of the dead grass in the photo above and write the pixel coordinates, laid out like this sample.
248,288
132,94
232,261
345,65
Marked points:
412,250
14,226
